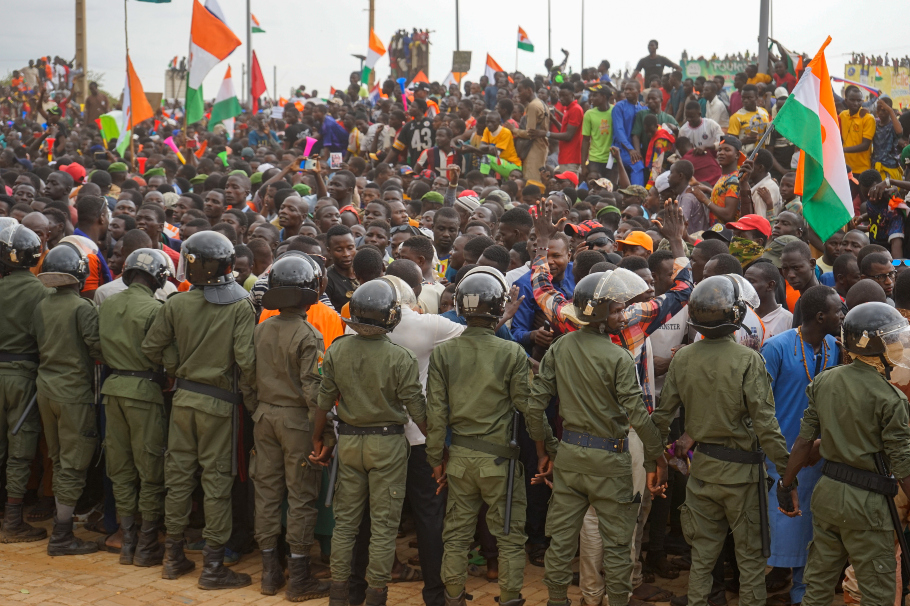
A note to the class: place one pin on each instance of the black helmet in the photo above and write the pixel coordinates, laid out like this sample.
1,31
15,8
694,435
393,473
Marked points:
594,293
64,265
148,261
482,293
292,283
20,247
207,259
877,329
716,307
375,308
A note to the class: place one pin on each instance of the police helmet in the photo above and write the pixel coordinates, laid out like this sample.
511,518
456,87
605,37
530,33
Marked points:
375,308
64,265
292,283
20,247
877,329
716,307
148,261
482,293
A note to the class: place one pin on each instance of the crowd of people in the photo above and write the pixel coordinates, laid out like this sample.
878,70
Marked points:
528,318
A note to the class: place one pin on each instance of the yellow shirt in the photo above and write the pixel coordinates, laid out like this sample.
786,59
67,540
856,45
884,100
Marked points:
503,140
759,79
744,123
853,129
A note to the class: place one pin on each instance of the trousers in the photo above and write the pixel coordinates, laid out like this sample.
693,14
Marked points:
15,394
72,437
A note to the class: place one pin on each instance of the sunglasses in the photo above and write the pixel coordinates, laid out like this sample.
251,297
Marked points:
604,241
881,277
399,228
899,262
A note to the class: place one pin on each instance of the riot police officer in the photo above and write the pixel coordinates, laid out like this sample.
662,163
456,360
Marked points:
20,293
864,424
212,326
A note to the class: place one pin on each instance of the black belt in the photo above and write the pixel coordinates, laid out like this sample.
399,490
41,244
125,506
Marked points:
860,478
209,390
159,378
385,430
6,356
497,450
586,440
732,455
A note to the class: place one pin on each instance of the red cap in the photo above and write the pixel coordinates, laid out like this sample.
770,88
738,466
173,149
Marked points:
76,171
749,222
582,228
568,176
468,192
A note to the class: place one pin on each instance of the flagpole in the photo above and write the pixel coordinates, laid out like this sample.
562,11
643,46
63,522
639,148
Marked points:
249,52
126,43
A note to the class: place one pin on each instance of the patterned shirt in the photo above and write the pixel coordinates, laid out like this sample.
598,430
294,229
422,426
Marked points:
726,186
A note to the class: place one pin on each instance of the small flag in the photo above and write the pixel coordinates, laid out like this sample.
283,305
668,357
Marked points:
792,60
878,74
257,29
491,68
226,105
809,120
136,107
211,41
453,78
173,63
257,83
376,50
420,77
524,43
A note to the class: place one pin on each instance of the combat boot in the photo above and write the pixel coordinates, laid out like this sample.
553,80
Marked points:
338,593
566,602
301,585
459,600
519,601
16,530
176,563
376,597
215,575
272,573
128,544
64,542
149,552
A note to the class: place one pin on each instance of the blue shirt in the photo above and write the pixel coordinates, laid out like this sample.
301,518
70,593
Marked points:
827,278
523,322
623,118
256,138
334,135
489,96
502,332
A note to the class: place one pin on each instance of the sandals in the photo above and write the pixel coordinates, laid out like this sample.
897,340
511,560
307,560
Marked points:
536,555
662,568
651,593
777,579
406,574
44,510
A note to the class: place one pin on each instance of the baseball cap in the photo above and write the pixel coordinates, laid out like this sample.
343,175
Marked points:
749,222
775,249
247,153
781,91
582,228
76,171
718,232
662,182
568,176
406,170
636,190
638,238
421,86
605,183
732,141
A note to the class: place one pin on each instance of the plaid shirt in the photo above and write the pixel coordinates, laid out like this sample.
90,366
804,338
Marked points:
642,319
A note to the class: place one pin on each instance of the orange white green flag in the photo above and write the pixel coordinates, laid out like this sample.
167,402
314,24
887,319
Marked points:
136,107
809,120
255,27
524,43
376,50
491,68
211,41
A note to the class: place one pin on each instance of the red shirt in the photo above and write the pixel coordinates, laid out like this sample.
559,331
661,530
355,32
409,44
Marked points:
570,151
786,80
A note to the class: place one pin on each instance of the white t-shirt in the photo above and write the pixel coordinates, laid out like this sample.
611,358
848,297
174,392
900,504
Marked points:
752,334
777,321
514,274
707,133
717,111
759,204
669,335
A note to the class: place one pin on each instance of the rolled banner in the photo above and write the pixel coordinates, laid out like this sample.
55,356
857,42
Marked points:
310,142
170,143
141,160
404,95
50,148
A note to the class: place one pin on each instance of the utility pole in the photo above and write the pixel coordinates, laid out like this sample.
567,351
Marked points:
249,53
764,19
372,78
549,32
81,83
275,83
457,33
582,34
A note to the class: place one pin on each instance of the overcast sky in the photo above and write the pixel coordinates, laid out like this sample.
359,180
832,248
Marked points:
311,42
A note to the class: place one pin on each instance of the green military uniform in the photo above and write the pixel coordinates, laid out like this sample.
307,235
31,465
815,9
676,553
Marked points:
289,353
857,413
727,394
136,424
20,294
66,329
376,380
475,381
210,340
599,395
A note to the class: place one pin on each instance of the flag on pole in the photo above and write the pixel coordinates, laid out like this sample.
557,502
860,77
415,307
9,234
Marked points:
524,43
257,29
420,77
809,120
257,83
173,63
453,78
226,105
211,41
792,60
136,107
878,74
376,50
491,68
109,124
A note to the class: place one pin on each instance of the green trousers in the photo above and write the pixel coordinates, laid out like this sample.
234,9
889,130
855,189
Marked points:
279,466
372,471
617,511
135,440
709,512
72,437
474,481
197,439
15,394
870,551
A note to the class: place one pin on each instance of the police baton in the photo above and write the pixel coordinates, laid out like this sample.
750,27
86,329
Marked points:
25,413
235,421
895,517
507,518
333,471
763,489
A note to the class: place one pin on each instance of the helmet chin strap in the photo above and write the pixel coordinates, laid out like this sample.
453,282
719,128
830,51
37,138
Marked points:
887,366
